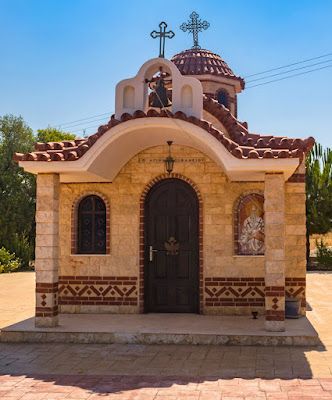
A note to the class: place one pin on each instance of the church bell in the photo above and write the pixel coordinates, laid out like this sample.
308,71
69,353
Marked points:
159,96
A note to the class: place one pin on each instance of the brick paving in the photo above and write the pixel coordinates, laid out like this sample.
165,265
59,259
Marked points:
75,387
167,372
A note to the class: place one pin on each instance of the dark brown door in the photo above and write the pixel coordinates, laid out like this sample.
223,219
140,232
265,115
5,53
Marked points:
171,248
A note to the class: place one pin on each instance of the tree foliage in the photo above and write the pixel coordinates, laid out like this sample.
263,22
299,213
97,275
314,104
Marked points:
319,190
50,134
17,188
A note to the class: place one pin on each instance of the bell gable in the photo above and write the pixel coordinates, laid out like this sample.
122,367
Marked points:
133,94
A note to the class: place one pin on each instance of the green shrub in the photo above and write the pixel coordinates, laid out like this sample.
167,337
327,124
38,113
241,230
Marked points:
323,254
23,249
8,261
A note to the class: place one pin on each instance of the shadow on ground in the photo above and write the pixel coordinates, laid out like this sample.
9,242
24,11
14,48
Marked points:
172,387
126,369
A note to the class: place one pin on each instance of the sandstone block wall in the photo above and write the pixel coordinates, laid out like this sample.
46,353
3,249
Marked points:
232,284
47,249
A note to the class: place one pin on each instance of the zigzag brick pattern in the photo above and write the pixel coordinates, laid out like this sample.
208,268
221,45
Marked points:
234,292
97,290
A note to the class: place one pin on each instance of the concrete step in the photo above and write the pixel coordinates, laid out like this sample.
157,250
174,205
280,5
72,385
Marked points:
162,329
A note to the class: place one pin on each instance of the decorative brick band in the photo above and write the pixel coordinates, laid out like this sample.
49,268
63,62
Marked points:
141,234
98,290
46,299
297,178
295,288
234,292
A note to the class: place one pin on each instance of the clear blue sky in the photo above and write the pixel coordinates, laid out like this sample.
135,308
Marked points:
61,59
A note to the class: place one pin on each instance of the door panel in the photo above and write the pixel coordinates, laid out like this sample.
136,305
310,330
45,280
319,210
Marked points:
171,228
183,266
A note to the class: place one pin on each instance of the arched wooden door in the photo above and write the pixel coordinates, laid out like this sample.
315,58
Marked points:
171,248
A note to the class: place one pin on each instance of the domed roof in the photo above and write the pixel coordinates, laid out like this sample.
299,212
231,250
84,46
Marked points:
203,62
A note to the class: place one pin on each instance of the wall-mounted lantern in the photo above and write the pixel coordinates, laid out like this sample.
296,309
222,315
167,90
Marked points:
169,160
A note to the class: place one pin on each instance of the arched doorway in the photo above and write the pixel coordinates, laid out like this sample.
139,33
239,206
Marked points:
171,267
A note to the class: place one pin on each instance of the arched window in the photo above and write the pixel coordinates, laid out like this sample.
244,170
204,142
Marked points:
223,98
91,226
249,225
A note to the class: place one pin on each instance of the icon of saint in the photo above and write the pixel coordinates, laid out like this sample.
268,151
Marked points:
252,234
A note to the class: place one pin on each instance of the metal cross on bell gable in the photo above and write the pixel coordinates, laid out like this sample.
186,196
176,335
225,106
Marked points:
162,34
194,25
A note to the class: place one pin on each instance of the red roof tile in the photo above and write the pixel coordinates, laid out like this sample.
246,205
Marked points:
201,62
241,143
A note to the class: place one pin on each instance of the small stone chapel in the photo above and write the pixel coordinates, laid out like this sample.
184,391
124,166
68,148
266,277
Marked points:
174,205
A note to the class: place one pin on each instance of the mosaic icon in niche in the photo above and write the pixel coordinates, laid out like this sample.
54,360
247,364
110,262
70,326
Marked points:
251,225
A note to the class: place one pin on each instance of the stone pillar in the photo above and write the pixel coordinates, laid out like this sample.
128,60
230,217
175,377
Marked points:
274,209
47,250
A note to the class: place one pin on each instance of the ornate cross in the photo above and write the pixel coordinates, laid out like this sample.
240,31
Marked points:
194,26
162,34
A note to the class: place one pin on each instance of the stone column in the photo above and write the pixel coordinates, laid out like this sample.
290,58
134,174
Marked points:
47,250
274,209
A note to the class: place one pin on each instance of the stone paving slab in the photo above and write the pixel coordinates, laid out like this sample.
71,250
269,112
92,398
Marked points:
165,360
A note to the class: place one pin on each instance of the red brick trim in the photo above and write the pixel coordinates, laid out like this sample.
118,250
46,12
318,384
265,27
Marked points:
98,290
239,203
275,315
295,288
276,311
46,299
42,287
297,178
74,222
52,313
234,292
141,234
275,291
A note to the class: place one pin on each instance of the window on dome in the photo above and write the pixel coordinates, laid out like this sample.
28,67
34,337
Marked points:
223,98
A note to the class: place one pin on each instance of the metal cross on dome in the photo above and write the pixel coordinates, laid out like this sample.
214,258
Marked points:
162,34
194,26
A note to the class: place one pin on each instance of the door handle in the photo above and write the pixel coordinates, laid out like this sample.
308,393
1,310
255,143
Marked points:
151,251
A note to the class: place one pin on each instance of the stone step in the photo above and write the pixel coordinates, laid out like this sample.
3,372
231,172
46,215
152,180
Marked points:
162,329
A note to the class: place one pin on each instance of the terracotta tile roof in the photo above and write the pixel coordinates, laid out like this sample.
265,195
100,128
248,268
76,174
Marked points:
252,144
241,143
200,62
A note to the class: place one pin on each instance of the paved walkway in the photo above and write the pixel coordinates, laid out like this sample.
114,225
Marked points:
65,371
